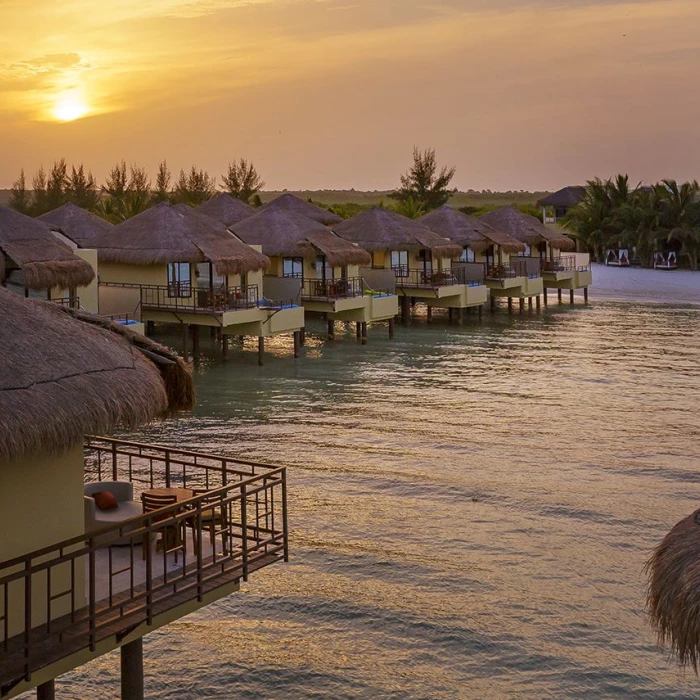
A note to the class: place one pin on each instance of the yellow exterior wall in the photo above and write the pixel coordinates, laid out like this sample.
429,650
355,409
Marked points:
41,503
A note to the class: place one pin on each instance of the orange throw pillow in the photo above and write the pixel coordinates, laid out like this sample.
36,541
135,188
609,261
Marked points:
105,500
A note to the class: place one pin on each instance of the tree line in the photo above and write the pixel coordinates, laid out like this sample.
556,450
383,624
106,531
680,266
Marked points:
661,217
128,191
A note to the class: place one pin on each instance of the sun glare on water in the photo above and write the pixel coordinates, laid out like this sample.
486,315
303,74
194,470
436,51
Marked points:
69,107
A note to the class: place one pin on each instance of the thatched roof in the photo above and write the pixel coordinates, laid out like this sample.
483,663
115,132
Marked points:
64,374
288,202
673,599
287,234
76,223
166,233
226,209
468,230
565,197
45,261
381,229
526,228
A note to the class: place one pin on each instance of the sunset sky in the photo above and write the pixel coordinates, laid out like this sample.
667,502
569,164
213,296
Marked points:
518,94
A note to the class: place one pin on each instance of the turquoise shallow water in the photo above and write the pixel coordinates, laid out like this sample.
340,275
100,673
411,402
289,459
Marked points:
471,511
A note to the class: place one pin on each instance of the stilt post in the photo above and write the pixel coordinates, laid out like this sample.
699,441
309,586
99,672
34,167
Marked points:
195,341
358,331
132,670
331,329
261,350
364,332
492,301
46,691
521,304
224,346
391,329
544,296
430,314
571,296
537,302
302,337
481,312
296,343
585,294
529,303
510,305
559,295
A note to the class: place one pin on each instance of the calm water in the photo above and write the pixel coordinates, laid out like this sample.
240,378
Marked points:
471,510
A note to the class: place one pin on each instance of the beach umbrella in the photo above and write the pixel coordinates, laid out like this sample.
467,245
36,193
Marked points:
673,598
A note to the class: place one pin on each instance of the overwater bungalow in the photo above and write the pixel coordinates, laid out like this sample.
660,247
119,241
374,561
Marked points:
106,540
556,205
290,203
171,264
542,263
226,209
322,269
35,263
485,250
420,260
673,594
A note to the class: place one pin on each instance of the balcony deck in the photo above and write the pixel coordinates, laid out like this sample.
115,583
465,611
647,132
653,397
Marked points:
97,588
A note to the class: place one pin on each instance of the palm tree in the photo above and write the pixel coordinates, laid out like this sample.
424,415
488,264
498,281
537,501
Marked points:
681,216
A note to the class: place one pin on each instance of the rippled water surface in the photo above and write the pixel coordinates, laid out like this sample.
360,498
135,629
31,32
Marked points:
471,510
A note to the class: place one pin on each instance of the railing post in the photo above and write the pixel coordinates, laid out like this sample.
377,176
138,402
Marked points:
27,616
149,570
167,468
91,592
285,525
244,530
114,461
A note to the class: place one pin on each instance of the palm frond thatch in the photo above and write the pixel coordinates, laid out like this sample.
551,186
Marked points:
65,373
673,594
288,234
526,228
76,223
46,262
379,229
226,209
468,230
169,233
290,203
565,197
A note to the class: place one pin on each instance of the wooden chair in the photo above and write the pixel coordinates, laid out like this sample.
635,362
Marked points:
212,518
172,534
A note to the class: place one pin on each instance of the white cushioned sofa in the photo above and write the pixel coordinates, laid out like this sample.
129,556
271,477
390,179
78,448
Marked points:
127,508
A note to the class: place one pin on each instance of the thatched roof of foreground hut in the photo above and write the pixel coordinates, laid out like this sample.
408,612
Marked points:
290,203
565,197
168,233
226,209
468,230
380,229
64,374
673,600
526,228
76,223
46,262
287,234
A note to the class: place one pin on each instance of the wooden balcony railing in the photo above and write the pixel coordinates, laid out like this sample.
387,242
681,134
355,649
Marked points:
70,596
517,267
70,302
332,289
424,278
185,298
565,263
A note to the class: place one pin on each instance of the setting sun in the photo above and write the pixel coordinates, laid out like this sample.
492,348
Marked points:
69,107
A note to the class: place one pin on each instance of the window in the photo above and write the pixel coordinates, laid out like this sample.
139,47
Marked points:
527,252
293,267
323,270
399,262
467,254
179,280
426,260
208,278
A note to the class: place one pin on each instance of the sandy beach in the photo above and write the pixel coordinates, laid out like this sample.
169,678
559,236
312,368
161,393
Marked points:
636,284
